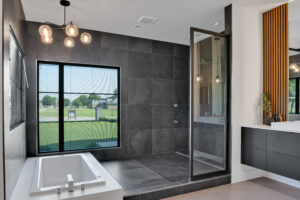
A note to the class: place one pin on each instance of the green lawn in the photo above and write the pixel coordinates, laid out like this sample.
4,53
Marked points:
78,135
80,112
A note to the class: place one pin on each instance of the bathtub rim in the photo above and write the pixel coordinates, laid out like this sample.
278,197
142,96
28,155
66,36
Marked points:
35,183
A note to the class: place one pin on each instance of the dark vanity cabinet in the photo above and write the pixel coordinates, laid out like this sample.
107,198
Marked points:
274,151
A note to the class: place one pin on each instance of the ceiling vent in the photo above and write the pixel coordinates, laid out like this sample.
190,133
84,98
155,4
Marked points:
147,20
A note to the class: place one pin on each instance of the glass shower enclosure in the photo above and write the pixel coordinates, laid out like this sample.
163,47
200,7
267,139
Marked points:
208,110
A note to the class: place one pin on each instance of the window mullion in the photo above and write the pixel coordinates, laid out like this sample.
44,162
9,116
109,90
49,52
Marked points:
61,107
297,95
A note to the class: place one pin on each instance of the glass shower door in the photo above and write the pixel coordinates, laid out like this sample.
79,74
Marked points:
208,114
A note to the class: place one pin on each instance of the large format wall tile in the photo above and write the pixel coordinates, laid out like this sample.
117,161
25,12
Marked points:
114,41
162,141
140,45
181,139
118,153
162,91
162,67
181,92
182,116
137,117
140,142
162,116
139,65
163,48
139,91
114,57
181,51
181,72
152,72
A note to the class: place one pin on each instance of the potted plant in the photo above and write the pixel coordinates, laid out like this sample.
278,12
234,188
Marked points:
267,107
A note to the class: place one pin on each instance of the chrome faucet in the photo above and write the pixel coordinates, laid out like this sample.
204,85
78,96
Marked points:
70,183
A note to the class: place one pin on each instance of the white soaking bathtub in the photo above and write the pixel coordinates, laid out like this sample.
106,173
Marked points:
51,173
47,178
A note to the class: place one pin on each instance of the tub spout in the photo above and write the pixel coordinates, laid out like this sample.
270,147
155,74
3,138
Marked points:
70,183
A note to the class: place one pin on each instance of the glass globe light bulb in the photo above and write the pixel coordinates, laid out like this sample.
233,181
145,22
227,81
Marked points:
198,78
47,39
86,38
69,42
297,69
218,80
45,30
293,66
71,30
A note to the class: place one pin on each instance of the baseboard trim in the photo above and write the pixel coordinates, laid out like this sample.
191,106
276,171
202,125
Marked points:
256,173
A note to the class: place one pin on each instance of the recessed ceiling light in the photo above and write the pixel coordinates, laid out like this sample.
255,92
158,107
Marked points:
138,27
215,23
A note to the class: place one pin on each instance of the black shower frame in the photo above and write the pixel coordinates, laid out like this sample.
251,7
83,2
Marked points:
228,105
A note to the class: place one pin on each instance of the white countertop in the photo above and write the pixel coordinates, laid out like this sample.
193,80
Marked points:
262,126
22,189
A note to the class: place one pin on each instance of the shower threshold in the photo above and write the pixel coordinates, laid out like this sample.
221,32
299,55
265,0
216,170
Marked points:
160,176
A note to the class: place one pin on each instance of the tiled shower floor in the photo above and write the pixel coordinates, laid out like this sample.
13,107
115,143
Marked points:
149,173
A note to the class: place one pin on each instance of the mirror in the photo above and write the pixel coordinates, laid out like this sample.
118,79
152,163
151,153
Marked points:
294,61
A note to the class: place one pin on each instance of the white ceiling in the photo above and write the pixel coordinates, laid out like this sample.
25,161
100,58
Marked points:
175,17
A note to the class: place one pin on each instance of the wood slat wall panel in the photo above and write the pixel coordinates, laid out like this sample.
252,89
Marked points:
275,58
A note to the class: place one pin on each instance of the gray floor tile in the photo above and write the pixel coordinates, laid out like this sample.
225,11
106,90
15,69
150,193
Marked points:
151,160
154,176
132,179
176,159
121,165
170,172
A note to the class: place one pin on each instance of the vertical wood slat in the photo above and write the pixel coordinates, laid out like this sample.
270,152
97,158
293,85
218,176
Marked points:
275,58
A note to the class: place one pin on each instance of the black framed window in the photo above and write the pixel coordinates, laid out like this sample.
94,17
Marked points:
294,96
79,107
16,77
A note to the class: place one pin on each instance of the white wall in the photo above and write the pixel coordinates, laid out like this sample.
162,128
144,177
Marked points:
247,81
247,86
1,111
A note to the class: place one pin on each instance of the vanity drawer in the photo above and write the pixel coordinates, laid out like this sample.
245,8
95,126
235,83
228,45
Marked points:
254,138
284,165
254,157
284,142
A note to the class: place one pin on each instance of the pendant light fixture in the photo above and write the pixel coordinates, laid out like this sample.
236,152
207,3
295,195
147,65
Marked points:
45,30
218,79
86,38
198,77
46,34
47,39
69,42
70,29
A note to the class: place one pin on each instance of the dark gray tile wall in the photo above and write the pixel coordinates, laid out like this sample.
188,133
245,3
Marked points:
154,76
209,139
14,140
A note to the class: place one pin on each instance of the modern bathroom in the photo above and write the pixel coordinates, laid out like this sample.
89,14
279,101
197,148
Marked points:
127,100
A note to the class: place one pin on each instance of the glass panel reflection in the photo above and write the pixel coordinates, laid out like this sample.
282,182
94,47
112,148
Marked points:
209,103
